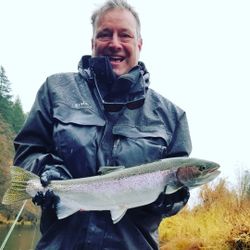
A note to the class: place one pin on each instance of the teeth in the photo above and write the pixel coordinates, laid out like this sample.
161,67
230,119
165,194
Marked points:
116,59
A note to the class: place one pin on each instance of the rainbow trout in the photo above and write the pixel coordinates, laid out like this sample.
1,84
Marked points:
116,188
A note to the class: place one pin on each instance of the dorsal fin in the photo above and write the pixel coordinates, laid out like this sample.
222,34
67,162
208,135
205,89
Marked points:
108,169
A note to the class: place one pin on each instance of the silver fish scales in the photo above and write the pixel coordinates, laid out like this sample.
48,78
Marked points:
116,188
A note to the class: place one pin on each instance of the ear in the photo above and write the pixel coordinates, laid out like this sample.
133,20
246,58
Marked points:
140,43
92,43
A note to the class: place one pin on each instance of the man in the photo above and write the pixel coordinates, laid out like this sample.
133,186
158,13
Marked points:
105,114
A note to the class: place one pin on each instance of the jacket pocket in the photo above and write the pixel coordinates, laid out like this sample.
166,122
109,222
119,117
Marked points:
80,115
136,145
76,134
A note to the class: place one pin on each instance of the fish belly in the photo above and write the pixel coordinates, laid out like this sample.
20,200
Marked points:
127,192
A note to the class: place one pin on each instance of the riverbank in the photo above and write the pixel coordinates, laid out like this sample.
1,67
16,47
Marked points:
5,222
29,216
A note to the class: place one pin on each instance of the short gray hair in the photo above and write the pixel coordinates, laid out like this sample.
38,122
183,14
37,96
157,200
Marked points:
113,4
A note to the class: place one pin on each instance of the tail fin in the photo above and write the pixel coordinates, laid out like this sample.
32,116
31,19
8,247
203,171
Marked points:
19,181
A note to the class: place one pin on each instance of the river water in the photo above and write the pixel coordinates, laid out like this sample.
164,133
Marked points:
22,237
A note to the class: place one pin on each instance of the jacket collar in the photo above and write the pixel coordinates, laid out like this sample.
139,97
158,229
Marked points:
115,92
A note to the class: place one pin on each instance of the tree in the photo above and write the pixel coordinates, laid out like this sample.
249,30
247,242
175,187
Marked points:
11,112
5,89
5,95
18,116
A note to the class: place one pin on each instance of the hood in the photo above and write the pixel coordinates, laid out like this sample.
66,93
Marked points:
116,90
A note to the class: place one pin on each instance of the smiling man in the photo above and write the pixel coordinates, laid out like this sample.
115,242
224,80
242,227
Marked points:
116,35
103,115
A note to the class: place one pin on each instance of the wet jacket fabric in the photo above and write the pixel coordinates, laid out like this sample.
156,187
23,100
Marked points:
69,128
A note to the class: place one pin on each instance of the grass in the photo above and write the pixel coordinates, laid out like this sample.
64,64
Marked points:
221,221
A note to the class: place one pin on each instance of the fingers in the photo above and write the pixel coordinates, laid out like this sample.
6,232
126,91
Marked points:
53,174
50,200
47,200
45,179
38,199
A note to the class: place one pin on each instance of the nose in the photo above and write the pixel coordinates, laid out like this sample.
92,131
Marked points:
115,42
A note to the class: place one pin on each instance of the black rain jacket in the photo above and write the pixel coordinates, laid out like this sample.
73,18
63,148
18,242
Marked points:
68,127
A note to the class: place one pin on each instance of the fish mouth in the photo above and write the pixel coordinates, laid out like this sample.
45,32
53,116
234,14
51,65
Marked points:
207,176
213,169
214,172
212,175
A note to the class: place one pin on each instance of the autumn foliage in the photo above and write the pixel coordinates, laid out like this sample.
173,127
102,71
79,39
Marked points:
221,220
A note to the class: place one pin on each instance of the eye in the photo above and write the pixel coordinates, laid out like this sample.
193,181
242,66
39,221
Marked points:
202,167
125,36
103,35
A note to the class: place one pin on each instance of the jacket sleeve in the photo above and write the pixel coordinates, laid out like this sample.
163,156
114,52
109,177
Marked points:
34,147
180,144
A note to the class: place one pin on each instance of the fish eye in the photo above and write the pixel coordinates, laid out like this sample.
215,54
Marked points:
202,167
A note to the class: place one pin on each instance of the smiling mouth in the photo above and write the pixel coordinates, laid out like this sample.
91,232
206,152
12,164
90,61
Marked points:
116,59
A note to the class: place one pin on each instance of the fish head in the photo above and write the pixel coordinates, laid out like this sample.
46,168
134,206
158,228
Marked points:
197,172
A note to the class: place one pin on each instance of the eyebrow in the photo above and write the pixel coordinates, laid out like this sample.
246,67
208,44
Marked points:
110,30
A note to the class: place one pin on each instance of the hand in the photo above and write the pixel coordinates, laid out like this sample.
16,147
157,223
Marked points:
171,204
180,199
49,199
53,173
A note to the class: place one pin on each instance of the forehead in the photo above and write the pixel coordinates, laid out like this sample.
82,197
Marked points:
116,19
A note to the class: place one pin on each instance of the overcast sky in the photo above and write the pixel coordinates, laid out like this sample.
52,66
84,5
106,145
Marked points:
198,54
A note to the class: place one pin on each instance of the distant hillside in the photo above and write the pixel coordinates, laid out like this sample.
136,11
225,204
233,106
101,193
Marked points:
12,118
6,153
7,213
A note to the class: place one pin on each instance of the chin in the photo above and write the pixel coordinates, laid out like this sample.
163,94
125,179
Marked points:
120,72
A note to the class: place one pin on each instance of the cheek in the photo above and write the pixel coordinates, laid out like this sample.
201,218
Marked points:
97,48
133,56
133,50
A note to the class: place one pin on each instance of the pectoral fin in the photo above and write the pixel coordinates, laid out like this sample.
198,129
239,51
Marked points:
170,189
117,214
